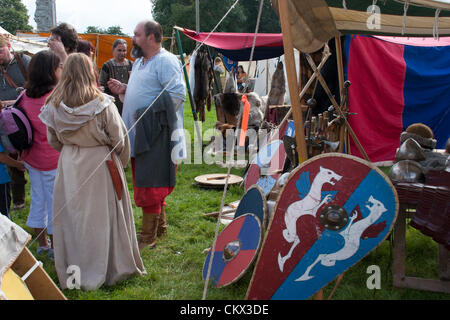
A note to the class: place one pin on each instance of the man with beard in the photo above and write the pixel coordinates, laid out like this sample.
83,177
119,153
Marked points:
118,68
156,74
12,79
13,74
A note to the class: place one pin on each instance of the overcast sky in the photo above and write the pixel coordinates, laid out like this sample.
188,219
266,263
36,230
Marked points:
99,13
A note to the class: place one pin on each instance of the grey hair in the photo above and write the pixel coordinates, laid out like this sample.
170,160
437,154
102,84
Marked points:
119,41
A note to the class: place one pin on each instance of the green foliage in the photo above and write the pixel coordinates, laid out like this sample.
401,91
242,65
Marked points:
114,30
242,18
14,16
270,23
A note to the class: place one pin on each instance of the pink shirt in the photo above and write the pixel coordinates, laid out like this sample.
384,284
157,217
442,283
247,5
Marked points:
41,155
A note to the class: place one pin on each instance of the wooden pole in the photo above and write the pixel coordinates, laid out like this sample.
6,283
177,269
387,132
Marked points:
197,15
344,137
186,77
97,44
188,87
340,66
292,81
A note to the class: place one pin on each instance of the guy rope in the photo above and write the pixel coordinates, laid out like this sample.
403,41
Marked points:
222,203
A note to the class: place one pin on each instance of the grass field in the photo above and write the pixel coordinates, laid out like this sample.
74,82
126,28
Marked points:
174,268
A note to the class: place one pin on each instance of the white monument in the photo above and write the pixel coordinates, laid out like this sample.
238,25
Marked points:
45,15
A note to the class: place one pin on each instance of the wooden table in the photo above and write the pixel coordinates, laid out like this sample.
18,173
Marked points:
400,280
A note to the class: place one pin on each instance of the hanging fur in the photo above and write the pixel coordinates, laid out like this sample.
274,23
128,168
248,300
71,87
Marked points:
230,85
231,106
277,92
203,82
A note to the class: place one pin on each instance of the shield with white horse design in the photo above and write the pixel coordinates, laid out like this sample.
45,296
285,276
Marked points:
333,210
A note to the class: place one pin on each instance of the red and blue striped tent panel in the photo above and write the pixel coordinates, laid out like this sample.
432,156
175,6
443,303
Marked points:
395,85
238,46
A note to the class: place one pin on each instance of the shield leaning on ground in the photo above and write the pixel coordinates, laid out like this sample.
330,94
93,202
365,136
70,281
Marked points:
254,202
268,164
217,180
236,249
333,210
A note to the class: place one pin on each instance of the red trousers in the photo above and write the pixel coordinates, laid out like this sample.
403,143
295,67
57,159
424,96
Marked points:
150,199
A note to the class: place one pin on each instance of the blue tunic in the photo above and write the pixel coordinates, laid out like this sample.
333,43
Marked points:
146,82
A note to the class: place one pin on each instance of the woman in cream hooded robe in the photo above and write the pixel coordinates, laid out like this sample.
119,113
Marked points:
93,230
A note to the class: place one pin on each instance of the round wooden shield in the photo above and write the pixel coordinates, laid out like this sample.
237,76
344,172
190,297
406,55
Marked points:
217,180
333,210
236,248
268,164
254,202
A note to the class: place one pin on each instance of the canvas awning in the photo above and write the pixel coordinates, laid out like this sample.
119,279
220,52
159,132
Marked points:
314,22
27,46
237,46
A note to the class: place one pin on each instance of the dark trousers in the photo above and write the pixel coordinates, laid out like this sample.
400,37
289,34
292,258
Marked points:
18,183
5,199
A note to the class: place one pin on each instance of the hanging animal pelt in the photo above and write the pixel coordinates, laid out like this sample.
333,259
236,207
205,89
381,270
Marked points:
277,89
232,106
230,85
203,82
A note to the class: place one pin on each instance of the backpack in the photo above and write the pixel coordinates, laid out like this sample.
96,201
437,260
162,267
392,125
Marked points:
16,133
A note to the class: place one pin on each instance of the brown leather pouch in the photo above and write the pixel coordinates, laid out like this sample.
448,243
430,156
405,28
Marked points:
115,175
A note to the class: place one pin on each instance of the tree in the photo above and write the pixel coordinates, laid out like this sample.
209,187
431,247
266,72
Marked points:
241,19
14,16
114,30
170,13
270,23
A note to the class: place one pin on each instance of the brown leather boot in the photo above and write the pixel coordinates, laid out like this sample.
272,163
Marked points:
147,238
162,227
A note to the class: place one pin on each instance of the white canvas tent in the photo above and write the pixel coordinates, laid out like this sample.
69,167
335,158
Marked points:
3,31
25,45
264,73
22,277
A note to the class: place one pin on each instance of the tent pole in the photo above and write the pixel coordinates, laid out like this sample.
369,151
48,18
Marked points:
340,66
292,81
216,81
343,135
188,87
267,77
97,44
197,15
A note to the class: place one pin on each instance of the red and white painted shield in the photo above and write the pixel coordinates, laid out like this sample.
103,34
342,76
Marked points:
333,210
268,164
